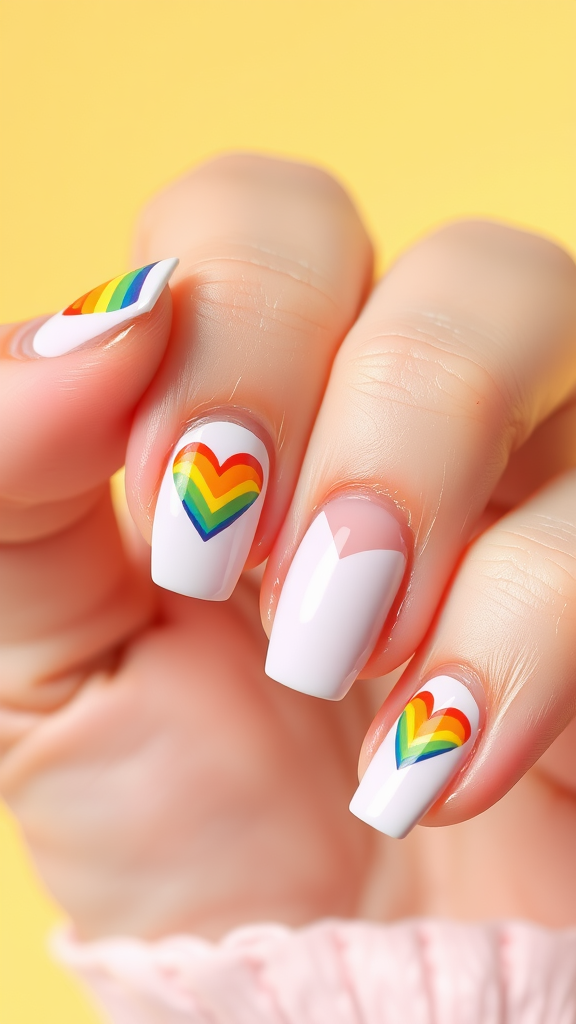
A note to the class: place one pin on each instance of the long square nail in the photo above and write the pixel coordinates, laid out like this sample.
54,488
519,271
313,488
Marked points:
418,757
208,509
336,596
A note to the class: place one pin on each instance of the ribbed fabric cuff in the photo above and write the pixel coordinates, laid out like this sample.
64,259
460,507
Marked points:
336,972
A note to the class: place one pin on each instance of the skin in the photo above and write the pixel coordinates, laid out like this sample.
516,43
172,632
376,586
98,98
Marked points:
162,782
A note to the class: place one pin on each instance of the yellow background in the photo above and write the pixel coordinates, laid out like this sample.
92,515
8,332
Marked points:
426,109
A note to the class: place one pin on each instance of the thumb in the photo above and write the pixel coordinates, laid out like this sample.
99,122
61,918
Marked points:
68,389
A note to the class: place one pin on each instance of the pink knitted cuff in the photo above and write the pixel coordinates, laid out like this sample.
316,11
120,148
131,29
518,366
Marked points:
336,972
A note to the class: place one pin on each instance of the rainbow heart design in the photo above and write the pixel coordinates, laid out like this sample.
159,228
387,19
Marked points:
421,734
214,496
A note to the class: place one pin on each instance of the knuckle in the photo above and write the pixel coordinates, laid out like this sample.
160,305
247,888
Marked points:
485,240
263,294
426,365
531,567
245,183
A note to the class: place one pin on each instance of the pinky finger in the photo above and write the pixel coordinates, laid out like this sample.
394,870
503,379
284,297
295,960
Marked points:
494,684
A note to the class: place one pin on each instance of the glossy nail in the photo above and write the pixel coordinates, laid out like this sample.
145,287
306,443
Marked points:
336,596
208,509
418,757
105,307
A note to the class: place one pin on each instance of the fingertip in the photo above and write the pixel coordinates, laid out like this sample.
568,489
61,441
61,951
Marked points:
103,309
416,758
74,412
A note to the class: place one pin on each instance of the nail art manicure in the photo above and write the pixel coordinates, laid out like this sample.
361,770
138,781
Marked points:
103,308
336,596
417,759
208,509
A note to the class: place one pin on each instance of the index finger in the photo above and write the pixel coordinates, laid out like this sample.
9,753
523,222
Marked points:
275,263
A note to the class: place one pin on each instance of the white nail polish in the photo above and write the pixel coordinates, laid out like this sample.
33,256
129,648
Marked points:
105,307
336,596
208,509
418,757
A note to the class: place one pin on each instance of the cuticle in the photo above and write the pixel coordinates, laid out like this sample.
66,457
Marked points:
233,414
370,493
19,345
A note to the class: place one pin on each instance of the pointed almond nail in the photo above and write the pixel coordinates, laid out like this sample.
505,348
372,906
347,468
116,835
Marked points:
105,307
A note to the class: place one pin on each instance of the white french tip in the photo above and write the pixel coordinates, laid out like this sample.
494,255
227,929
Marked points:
335,599
64,332
418,757
208,509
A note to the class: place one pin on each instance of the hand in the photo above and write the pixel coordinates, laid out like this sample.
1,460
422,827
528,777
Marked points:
162,781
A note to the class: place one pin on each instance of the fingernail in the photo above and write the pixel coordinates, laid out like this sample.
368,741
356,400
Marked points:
424,749
103,308
336,596
208,509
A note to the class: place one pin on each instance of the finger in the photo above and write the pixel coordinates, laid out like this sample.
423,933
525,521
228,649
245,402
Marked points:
504,646
67,590
464,348
74,412
274,266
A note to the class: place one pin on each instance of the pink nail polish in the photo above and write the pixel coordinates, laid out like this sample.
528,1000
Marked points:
336,596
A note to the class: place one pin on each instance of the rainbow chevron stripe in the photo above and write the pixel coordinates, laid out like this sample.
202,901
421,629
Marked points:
421,734
215,495
112,295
